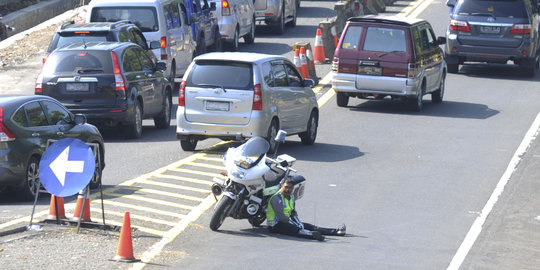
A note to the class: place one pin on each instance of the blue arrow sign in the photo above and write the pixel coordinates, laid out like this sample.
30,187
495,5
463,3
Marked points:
66,167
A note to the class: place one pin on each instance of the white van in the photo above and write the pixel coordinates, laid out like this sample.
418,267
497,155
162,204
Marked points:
159,20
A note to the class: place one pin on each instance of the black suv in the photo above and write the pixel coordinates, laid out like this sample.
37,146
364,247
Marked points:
111,83
121,31
494,31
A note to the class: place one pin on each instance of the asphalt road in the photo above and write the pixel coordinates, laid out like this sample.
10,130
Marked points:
408,185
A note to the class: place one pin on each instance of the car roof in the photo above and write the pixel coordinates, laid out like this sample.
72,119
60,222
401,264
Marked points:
94,45
240,57
12,99
93,26
406,21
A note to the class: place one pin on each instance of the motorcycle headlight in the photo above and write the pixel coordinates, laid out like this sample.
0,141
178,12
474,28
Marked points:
240,174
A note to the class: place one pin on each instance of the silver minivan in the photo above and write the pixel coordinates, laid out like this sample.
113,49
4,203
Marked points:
159,20
236,19
248,94
277,13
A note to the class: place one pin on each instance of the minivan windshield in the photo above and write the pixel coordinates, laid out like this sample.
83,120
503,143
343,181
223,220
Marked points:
226,74
493,8
144,17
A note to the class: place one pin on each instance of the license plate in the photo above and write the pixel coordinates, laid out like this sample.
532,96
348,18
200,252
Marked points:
369,70
217,106
83,87
490,29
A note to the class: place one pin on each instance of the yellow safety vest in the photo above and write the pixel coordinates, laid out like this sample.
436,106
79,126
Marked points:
288,207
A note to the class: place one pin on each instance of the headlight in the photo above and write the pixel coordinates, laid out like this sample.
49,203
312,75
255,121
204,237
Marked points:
238,173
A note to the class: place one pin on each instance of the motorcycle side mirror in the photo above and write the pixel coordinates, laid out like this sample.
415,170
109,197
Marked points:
280,137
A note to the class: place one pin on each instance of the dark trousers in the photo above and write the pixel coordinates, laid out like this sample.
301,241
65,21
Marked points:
293,230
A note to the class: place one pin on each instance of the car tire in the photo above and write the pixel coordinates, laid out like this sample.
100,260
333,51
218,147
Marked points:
189,144
453,68
280,26
201,45
218,43
416,102
528,67
163,120
134,130
342,99
271,135
437,96
250,37
308,137
293,22
452,63
173,72
31,179
235,42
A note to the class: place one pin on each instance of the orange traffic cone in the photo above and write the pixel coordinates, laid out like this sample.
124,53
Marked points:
303,61
296,59
309,55
125,245
78,207
56,207
318,54
334,34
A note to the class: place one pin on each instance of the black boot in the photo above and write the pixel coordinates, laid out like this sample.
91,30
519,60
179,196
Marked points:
337,232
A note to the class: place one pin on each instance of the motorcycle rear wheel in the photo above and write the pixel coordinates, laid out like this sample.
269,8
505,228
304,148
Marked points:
220,213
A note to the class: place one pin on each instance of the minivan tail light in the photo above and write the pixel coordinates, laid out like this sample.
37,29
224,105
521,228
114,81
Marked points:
462,26
182,94
257,98
163,43
412,70
5,133
335,64
225,8
119,80
521,29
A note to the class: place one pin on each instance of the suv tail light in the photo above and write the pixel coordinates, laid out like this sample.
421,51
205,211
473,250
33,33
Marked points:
335,64
182,94
257,98
5,134
462,26
163,43
38,89
521,29
412,70
225,8
119,80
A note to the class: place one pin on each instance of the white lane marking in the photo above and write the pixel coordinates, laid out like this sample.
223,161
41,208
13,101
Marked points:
476,228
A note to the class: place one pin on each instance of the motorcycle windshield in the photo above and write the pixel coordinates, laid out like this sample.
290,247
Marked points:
251,152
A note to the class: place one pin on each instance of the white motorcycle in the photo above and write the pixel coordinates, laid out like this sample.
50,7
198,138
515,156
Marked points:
252,178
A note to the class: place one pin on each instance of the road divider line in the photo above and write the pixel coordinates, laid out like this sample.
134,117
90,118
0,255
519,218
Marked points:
143,208
173,186
137,217
204,165
153,201
168,194
476,228
186,179
195,172
211,159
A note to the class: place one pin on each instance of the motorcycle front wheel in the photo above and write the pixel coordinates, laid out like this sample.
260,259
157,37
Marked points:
220,213
257,219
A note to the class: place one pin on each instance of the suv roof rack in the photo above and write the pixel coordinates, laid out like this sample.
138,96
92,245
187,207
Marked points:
118,23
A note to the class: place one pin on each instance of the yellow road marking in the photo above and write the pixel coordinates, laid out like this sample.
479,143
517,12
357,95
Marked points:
165,193
137,217
153,201
204,165
186,179
140,228
168,185
143,208
195,172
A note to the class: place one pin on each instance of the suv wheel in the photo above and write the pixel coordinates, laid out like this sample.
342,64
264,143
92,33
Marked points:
134,130
342,99
163,120
292,23
233,46
452,63
308,137
437,96
218,43
416,102
250,38
280,27
31,180
189,144
271,135
201,45
528,67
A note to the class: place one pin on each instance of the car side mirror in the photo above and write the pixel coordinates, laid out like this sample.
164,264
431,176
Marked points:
79,119
213,6
441,40
161,66
309,83
451,3
155,45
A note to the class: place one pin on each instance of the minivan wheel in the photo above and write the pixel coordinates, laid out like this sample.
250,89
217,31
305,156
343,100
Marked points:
416,102
235,41
189,144
250,37
342,99
134,130
308,137
271,135
31,180
201,45
163,120
292,23
218,43
437,96
280,27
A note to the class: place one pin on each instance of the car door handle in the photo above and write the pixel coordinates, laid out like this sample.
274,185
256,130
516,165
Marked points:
35,134
60,133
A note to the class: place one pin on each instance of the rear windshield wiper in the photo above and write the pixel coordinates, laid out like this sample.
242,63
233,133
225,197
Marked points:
213,86
81,71
483,14
383,54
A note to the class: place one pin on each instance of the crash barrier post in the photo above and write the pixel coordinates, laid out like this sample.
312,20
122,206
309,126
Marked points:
309,58
56,208
124,252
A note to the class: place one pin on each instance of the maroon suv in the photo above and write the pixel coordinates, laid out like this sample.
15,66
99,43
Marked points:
388,56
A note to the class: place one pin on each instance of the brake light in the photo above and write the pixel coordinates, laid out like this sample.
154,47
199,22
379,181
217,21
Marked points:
82,32
521,29
412,70
462,26
38,88
335,64
5,134
182,94
225,8
257,98
119,80
163,42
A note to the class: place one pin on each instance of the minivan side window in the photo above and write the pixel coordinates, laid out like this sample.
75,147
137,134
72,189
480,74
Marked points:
352,37
425,39
183,15
280,76
293,76
384,39
267,74
144,17
172,16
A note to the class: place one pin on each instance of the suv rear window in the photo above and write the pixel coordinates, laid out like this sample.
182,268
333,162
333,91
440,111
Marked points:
220,73
144,17
83,62
383,39
72,37
352,37
497,8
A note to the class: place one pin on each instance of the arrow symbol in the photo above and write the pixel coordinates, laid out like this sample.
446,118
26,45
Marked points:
61,165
